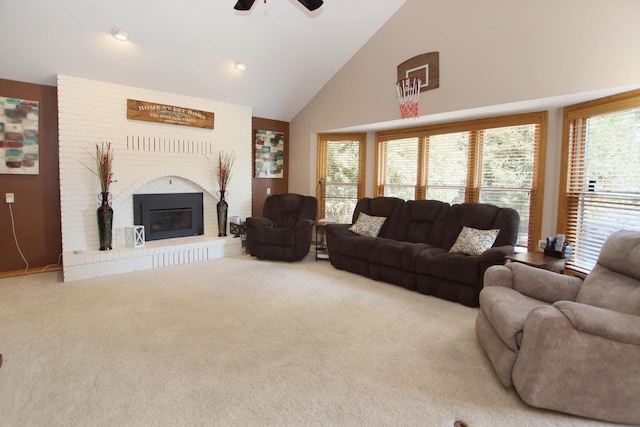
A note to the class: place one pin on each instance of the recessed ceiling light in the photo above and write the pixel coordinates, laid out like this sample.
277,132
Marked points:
240,66
121,35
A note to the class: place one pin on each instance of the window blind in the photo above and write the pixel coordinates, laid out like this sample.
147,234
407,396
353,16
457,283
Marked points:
448,167
341,175
499,160
400,177
602,193
509,157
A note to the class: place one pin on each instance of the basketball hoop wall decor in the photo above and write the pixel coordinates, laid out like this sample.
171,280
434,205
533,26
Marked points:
415,75
408,91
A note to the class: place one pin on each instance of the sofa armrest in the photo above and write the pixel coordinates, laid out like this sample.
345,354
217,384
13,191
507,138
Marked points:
613,325
258,221
498,275
337,229
561,368
533,282
496,255
544,285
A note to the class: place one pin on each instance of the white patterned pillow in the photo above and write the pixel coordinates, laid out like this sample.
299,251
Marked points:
472,241
367,225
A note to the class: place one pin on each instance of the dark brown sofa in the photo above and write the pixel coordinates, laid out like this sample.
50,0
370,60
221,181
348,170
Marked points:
412,247
283,232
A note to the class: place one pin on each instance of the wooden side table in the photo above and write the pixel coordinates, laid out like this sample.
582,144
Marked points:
240,230
321,239
539,260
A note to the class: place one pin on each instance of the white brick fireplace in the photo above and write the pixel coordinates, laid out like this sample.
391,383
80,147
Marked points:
148,158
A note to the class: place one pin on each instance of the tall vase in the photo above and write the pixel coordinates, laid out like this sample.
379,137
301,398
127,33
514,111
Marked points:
105,222
222,206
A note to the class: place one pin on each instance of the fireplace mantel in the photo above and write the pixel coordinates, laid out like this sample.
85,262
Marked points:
148,158
156,254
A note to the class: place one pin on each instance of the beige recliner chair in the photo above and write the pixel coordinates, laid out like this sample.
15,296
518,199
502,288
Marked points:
565,344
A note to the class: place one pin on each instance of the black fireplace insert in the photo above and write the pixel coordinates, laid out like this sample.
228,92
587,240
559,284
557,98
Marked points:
168,215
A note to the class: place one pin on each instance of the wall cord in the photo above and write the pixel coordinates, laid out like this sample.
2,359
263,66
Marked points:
13,226
52,265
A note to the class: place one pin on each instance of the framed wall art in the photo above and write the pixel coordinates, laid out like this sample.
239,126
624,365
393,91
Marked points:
269,158
19,137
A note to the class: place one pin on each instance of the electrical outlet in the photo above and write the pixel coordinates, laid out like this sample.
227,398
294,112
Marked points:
9,197
269,190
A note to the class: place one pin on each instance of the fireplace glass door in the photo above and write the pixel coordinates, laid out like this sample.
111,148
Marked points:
169,215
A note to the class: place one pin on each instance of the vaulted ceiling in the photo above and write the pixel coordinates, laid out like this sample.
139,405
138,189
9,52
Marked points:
189,47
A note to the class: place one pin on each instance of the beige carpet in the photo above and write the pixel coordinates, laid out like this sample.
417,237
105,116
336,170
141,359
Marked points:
241,342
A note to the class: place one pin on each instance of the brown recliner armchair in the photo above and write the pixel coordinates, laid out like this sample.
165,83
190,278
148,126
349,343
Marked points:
283,232
565,344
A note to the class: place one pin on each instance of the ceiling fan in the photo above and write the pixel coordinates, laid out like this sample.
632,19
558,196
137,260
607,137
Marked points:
309,4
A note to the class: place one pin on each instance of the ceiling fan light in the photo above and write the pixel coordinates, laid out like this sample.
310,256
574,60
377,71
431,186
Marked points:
311,4
244,4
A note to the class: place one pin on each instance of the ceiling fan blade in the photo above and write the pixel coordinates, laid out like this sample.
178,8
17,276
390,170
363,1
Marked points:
244,4
311,4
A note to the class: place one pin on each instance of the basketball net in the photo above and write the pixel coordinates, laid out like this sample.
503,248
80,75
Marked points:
408,91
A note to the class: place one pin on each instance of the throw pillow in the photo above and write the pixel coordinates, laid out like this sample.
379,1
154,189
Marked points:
472,241
367,225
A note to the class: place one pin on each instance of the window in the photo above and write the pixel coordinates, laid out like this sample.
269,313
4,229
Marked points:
498,161
600,187
341,173
448,167
401,169
508,173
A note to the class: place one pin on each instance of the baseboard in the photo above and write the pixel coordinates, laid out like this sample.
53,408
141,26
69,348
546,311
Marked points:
34,270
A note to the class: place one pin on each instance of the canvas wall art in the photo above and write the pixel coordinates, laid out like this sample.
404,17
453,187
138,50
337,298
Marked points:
19,137
269,161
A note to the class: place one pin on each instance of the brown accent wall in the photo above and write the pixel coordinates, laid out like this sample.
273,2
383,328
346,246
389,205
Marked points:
36,210
260,185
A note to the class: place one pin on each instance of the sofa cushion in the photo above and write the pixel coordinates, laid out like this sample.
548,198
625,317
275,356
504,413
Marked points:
423,261
278,237
357,246
389,207
481,216
286,210
472,241
367,225
458,268
387,252
507,310
620,253
614,283
395,253
608,289
423,221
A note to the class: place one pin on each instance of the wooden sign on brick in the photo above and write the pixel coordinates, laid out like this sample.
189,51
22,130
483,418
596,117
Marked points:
169,114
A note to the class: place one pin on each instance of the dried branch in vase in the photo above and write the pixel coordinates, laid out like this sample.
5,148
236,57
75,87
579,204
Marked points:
223,171
104,161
